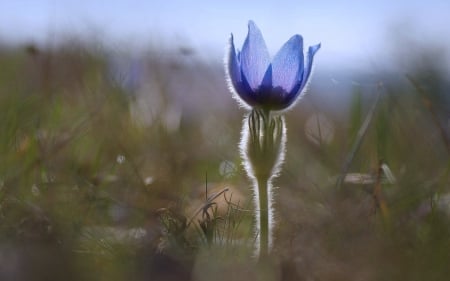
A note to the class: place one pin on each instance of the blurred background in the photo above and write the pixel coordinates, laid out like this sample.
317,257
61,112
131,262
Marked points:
119,142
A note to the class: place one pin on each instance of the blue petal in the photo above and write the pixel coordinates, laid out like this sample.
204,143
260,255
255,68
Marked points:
237,80
310,59
246,93
288,64
234,70
303,78
255,57
267,80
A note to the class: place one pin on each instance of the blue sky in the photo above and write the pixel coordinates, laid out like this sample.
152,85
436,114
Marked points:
352,30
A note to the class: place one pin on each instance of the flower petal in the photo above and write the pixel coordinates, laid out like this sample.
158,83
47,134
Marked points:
309,64
233,68
267,79
247,94
299,89
237,82
287,65
255,57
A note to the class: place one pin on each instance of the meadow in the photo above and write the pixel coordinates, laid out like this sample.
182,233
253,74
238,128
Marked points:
117,168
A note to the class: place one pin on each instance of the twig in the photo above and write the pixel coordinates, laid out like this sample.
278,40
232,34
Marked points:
359,138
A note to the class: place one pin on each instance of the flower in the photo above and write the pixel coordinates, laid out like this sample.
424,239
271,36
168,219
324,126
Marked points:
258,82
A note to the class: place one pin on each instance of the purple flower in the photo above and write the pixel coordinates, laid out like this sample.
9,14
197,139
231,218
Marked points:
258,82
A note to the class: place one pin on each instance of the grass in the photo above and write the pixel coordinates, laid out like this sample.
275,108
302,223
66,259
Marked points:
90,193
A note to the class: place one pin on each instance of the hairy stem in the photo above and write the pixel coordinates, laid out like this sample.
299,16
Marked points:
263,190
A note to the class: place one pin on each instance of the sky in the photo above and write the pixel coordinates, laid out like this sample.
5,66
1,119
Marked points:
349,30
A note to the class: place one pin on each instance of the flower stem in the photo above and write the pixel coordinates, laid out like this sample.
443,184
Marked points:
263,190
262,149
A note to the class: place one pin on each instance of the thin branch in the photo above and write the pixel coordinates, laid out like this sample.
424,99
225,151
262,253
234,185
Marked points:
359,139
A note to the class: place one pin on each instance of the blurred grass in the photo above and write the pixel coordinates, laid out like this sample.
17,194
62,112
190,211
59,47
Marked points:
87,192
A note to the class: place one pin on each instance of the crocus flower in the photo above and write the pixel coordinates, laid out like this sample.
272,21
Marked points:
258,82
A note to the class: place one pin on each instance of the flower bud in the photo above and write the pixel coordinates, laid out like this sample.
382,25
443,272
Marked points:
263,144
